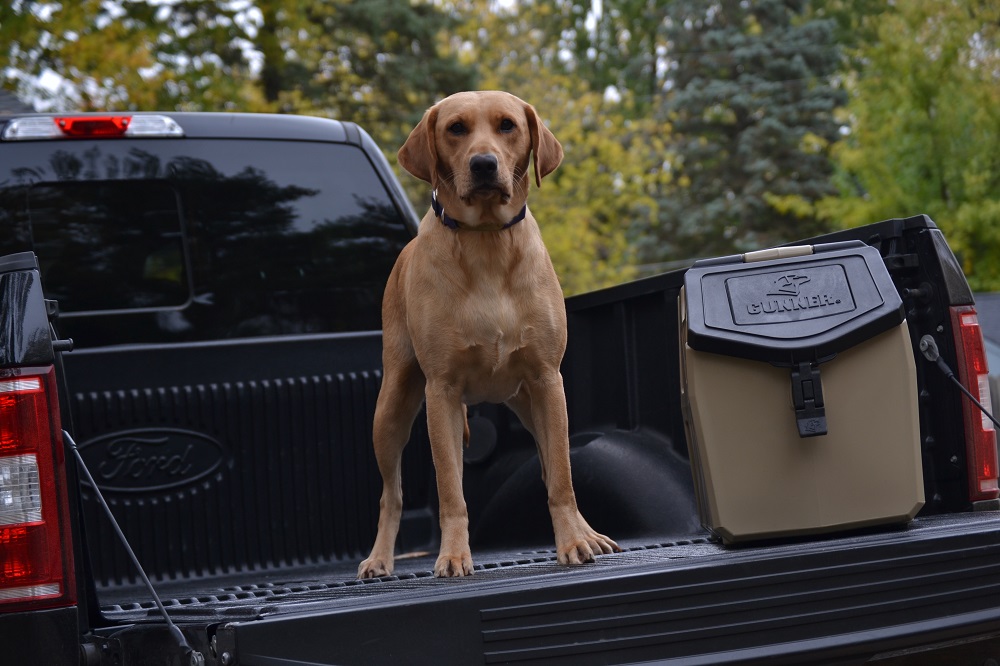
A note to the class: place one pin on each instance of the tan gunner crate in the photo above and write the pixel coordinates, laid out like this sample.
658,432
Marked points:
799,393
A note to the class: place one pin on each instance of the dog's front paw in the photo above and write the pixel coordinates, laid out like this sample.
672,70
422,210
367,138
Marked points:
375,567
602,544
583,548
448,566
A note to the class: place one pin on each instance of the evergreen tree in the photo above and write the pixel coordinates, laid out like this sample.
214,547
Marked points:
752,111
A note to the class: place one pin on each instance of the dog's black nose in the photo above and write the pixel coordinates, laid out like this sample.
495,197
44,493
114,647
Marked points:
484,166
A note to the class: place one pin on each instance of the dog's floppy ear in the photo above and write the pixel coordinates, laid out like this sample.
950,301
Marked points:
419,152
548,151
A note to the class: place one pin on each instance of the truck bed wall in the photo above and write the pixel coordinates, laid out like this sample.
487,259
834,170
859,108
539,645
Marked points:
242,455
622,365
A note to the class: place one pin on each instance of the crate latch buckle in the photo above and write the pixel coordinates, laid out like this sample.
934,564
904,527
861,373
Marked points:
807,399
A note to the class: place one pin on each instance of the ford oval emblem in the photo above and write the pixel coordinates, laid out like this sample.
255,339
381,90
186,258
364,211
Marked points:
151,459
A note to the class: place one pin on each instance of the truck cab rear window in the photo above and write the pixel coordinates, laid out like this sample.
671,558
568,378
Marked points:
109,245
202,239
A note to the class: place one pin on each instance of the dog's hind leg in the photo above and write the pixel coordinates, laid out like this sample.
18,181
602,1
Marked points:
399,401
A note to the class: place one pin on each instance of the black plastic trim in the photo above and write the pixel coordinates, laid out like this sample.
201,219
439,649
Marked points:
48,637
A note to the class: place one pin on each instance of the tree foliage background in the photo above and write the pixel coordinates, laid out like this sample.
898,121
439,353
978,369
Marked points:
691,127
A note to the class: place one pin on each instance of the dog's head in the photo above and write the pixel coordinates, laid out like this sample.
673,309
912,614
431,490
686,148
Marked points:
474,148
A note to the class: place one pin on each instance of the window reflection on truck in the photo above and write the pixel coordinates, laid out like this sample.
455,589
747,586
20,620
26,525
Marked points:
246,239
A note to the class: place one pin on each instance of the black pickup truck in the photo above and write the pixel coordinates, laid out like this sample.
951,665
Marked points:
189,329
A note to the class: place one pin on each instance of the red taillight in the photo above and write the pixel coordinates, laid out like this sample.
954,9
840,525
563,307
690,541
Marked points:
93,126
973,372
36,560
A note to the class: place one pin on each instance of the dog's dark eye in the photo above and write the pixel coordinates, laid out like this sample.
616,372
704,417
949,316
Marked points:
456,128
507,125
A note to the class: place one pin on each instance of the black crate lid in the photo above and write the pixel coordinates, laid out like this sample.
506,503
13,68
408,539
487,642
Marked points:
786,309
21,261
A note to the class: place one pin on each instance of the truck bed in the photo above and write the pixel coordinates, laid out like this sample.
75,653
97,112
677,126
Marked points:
853,596
673,591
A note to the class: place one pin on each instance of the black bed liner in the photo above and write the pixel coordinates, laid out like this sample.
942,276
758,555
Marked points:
260,593
850,595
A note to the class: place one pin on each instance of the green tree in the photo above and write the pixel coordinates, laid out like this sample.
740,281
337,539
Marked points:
130,55
379,63
924,118
375,62
601,197
752,110
853,20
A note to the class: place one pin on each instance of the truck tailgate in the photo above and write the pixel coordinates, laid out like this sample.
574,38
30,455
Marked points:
691,599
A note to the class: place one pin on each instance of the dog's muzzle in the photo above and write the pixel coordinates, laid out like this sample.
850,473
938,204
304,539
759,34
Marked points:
484,167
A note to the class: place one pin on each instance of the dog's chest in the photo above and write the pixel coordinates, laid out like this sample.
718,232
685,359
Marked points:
503,338
496,323
484,317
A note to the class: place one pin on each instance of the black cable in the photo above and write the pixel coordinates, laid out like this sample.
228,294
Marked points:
191,653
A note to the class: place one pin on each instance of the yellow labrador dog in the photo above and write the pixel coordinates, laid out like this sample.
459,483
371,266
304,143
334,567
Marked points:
473,313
